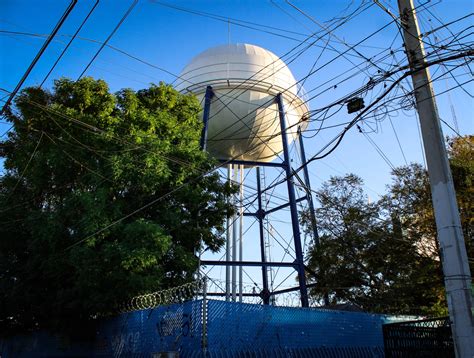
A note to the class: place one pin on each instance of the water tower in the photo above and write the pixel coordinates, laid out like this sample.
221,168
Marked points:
252,111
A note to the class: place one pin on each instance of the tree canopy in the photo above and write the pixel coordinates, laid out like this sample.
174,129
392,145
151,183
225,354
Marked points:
383,255
104,196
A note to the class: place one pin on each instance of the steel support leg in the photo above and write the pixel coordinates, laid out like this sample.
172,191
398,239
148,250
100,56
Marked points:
241,230
309,193
293,208
205,117
260,215
228,244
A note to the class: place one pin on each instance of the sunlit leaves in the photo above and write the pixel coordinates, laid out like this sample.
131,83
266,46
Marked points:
70,245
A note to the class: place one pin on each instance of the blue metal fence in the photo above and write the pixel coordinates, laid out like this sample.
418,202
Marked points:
265,327
233,330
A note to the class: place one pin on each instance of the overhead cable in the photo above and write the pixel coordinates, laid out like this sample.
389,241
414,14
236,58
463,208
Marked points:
109,37
39,54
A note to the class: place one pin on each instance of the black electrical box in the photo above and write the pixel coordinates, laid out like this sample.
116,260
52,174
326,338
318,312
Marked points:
355,104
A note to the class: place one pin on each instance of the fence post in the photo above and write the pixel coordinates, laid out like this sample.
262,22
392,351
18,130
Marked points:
204,317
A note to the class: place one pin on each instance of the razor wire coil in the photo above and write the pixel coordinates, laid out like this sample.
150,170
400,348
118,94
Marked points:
172,295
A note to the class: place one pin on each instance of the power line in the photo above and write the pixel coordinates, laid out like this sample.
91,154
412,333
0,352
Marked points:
308,75
377,148
398,141
332,33
95,130
109,37
70,42
234,21
26,166
39,54
337,140
287,62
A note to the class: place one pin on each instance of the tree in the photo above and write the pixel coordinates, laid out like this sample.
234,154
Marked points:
461,154
104,196
383,256
362,259
409,199
409,202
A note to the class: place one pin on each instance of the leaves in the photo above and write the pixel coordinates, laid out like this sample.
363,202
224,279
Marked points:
383,256
69,247
461,153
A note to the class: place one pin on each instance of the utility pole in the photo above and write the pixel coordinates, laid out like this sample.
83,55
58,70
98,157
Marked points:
457,278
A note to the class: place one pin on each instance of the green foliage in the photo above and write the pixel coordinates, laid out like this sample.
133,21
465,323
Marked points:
461,153
383,256
94,206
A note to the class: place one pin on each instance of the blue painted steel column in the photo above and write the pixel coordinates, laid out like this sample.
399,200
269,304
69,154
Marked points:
293,209
265,294
309,193
205,118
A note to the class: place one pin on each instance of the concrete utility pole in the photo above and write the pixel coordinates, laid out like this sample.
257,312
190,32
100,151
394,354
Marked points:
457,278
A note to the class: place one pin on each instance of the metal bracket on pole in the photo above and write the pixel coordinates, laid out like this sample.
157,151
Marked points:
293,208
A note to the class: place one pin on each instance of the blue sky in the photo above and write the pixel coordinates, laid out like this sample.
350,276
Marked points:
168,38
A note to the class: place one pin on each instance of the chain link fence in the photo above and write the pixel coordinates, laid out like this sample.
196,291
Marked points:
183,322
423,338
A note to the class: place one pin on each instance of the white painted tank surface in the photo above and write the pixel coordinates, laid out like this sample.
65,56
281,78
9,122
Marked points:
244,122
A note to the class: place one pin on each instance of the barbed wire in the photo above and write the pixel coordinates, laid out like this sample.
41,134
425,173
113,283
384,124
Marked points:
169,296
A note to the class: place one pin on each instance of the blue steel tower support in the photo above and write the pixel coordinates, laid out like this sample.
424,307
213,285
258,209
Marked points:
309,193
260,214
265,294
293,209
205,117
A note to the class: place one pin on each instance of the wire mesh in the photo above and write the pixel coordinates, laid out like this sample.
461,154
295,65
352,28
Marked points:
423,338
233,330
234,326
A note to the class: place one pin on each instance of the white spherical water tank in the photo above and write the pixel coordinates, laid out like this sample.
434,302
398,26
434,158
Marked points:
244,122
